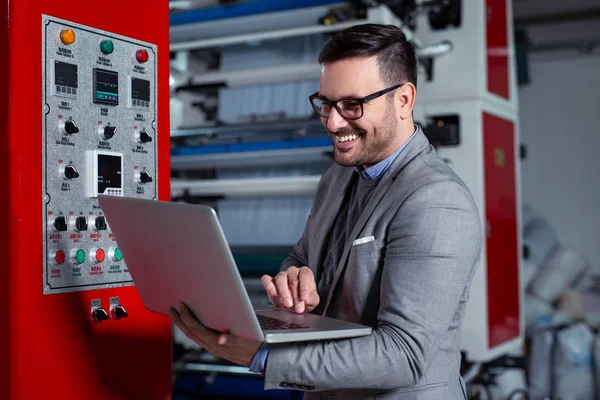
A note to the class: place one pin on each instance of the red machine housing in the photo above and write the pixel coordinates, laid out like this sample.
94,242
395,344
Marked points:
51,348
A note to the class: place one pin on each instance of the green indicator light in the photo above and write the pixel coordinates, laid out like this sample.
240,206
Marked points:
107,46
80,256
118,255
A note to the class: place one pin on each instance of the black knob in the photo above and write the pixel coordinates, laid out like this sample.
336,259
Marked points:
119,312
81,223
108,132
60,224
71,172
71,127
100,315
145,177
100,223
145,136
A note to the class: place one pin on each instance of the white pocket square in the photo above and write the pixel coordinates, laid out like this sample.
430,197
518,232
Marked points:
362,240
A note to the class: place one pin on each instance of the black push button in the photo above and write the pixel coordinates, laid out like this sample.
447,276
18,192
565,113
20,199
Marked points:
71,127
60,224
81,224
100,223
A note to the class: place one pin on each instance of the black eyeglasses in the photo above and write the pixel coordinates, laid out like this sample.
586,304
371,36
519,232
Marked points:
348,108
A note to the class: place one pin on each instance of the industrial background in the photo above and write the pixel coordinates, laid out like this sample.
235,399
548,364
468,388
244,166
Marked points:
206,102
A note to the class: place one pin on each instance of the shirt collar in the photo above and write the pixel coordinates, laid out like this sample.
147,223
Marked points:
376,171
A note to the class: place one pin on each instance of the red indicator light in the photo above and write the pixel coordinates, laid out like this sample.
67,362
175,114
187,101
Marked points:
141,56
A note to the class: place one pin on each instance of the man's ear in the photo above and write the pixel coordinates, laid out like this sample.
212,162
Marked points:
405,100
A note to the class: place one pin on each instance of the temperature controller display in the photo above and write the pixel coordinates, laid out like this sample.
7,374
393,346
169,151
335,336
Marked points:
106,87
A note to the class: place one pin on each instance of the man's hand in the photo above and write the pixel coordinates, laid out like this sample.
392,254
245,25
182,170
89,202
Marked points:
296,287
224,345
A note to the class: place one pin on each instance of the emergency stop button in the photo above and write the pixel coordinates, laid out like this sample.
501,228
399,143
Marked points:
98,255
59,257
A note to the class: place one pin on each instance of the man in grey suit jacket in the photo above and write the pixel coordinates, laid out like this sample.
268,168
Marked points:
392,242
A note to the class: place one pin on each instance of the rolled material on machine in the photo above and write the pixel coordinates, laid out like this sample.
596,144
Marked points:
573,375
528,272
560,270
536,311
540,361
540,238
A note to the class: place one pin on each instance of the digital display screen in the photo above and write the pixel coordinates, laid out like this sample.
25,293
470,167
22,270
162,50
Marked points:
106,87
109,172
65,78
140,89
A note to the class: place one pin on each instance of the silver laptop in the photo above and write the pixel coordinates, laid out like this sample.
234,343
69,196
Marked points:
177,252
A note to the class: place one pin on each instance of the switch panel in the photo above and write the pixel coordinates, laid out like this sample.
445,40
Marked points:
99,137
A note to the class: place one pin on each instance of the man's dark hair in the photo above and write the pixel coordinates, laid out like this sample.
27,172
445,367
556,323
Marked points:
395,54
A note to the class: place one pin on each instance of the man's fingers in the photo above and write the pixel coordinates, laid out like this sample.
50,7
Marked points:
306,279
268,284
176,318
224,339
281,282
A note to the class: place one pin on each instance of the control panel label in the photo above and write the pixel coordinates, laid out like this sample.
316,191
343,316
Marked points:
65,105
115,269
104,111
139,69
76,272
65,187
140,149
64,52
140,190
104,61
65,141
104,145
139,117
96,270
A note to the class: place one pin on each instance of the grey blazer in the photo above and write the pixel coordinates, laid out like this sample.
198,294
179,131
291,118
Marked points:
411,284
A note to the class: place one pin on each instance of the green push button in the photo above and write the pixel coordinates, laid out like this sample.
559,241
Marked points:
118,255
80,256
107,46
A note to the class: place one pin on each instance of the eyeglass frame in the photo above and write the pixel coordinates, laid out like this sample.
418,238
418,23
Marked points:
361,101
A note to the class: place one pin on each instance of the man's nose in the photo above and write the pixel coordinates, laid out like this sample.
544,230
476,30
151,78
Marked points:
335,122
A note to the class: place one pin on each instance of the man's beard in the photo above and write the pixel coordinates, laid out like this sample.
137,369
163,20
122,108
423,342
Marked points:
373,144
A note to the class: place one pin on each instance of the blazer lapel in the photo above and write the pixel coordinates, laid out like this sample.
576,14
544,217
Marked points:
416,146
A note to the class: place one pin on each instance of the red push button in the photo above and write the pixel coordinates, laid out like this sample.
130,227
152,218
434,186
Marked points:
59,257
99,255
141,56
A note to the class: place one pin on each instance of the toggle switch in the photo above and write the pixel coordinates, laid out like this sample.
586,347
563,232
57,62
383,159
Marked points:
69,172
107,132
143,177
99,315
60,224
99,223
119,312
143,136
68,127
81,223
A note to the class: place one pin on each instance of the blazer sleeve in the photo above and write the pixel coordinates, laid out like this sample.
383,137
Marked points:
433,245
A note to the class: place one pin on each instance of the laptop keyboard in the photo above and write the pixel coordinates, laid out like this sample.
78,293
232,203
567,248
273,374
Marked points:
272,324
